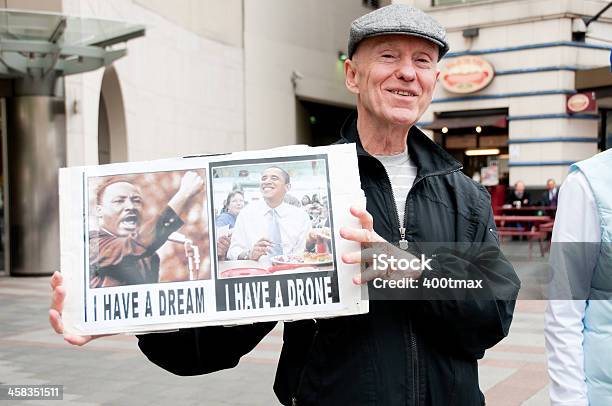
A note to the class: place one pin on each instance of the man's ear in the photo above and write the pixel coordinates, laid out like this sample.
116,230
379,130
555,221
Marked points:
350,76
99,210
287,187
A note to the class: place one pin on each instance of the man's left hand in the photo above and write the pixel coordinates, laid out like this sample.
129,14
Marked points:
363,235
366,235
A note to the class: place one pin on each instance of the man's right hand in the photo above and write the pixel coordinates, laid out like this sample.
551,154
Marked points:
260,248
55,312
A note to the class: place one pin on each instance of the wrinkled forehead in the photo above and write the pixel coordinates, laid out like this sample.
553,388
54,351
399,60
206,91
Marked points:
400,42
120,189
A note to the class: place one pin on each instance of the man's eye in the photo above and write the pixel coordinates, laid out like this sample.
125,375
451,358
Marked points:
388,56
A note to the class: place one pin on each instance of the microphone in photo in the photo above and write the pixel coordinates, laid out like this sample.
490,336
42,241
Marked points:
192,252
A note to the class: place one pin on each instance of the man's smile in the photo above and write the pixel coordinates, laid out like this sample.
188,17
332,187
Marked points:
402,92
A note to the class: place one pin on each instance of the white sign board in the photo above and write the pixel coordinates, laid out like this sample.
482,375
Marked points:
209,240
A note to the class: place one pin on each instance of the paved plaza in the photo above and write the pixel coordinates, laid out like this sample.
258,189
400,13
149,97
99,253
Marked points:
112,370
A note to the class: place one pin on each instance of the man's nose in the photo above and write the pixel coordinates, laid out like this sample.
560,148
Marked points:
406,71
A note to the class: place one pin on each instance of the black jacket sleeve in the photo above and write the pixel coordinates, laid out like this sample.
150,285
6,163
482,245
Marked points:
196,351
467,321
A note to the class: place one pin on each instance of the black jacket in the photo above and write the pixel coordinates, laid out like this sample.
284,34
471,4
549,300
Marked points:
402,352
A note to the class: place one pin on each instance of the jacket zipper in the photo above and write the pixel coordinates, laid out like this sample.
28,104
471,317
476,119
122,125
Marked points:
403,244
294,400
415,363
413,340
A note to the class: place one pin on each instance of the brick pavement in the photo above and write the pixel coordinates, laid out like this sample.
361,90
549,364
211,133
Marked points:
113,371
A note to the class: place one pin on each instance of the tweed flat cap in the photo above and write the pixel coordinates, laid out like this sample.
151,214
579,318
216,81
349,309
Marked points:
397,19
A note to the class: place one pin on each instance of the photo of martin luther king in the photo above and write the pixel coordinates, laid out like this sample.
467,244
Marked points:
133,216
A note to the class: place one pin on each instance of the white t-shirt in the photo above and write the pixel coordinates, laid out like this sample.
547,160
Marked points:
402,173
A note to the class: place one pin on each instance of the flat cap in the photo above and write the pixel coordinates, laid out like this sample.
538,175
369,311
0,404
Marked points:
397,19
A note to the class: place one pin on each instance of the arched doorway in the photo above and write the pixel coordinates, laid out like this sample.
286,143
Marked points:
112,134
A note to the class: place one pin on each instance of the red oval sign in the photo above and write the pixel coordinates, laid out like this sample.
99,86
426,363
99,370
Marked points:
578,102
466,74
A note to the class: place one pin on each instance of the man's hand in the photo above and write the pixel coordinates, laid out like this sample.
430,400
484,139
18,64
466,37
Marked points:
261,247
366,236
55,312
191,184
223,244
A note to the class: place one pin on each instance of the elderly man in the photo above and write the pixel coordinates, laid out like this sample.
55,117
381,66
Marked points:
122,250
419,352
270,227
518,196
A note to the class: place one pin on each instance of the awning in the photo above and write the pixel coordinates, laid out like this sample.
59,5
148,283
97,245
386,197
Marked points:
33,43
593,78
499,121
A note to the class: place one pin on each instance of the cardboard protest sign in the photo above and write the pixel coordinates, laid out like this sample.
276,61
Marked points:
209,240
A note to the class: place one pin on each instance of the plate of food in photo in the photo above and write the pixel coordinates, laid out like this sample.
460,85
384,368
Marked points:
307,258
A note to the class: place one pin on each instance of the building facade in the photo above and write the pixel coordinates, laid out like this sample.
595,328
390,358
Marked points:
537,48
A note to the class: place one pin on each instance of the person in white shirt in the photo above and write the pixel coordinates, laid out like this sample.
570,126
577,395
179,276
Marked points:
270,227
574,257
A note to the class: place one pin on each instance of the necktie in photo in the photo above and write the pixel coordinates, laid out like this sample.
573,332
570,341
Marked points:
274,235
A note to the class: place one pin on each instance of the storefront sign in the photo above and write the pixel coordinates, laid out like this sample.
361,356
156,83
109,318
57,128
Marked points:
466,74
581,102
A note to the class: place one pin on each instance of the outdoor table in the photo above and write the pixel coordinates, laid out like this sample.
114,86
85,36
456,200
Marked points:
527,210
502,219
523,230
250,267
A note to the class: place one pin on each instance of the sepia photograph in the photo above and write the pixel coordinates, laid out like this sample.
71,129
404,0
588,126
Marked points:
147,228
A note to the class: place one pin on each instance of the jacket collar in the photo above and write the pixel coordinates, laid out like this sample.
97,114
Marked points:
428,156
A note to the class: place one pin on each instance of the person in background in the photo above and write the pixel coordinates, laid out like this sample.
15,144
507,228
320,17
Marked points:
232,206
518,196
549,197
305,200
292,200
578,319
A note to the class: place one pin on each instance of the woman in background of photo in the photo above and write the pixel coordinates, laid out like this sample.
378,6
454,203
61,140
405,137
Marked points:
232,206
